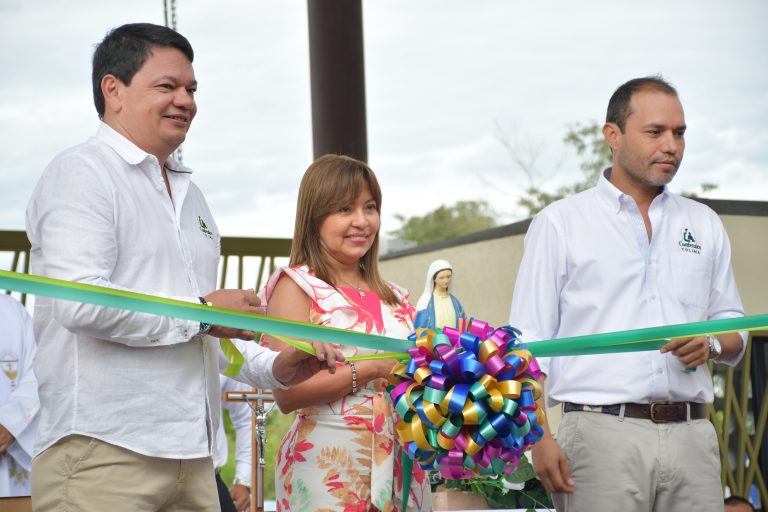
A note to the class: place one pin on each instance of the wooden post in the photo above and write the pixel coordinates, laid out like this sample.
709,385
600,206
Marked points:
337,75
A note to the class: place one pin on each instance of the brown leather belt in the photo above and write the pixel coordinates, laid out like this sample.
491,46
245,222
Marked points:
658,412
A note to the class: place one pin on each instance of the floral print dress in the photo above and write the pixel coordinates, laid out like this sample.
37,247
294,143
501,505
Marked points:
343,455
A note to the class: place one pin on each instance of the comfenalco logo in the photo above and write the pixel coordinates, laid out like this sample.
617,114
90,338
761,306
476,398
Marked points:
688,242
204,228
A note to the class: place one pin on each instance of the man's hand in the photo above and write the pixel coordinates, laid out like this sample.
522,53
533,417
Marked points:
6,440
383,368
691,352
241,495
238,300
293,366
551,466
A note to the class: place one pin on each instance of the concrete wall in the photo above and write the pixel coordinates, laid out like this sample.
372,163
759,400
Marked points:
485,269
484,275
749,244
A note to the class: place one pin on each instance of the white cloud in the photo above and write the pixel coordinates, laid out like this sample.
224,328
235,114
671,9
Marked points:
440,75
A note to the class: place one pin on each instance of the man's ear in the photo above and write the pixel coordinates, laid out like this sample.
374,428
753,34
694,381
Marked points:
111,88
612,135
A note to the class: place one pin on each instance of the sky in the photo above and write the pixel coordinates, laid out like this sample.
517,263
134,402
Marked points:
445,81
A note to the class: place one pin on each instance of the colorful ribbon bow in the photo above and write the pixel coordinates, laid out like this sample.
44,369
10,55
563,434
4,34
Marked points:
466,400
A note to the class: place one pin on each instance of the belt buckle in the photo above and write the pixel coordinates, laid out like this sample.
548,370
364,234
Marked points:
652,412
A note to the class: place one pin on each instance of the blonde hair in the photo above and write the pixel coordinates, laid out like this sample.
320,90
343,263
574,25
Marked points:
331,182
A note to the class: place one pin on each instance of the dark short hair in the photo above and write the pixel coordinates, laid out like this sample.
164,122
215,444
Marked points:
619,107
124,50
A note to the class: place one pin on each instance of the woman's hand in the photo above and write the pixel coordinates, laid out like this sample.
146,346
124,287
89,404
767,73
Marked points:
293,366
328,353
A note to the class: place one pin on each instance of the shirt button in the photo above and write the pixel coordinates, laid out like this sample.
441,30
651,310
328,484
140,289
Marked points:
154,340
653,297
659,370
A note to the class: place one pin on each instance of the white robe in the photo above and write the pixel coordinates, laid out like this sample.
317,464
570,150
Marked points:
19,404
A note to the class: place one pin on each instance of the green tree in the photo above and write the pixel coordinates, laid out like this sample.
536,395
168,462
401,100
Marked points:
589,144
445,222
705,188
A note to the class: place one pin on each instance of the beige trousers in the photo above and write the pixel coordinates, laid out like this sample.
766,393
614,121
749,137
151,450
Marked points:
83,474
634,465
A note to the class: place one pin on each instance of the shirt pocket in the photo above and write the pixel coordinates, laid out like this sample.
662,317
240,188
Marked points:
692,274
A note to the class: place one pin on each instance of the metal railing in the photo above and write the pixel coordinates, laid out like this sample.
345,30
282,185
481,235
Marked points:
16,244
739,414
265,252
254,259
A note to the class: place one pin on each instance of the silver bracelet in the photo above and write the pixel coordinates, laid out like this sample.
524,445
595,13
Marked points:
354,377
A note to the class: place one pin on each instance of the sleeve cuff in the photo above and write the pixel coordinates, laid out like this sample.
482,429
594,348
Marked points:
270,373
243,480
257,369
735,360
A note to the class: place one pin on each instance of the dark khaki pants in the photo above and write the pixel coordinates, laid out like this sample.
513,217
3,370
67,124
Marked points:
82,474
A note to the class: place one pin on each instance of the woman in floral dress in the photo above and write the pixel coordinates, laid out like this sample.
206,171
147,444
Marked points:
340,453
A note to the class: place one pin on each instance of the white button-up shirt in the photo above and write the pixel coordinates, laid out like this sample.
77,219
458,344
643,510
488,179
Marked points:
240,414
588,267
101,215
19,404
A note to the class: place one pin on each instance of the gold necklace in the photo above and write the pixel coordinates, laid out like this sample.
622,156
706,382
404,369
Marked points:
359,290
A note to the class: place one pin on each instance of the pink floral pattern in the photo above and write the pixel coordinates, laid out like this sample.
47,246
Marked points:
343,455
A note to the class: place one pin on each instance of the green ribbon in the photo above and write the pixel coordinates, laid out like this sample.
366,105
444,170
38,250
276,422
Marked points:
233,355
307,347
109,297
286,330
132,301
407,472
649,338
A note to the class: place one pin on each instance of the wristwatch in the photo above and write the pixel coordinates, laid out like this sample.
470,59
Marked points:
715,349
204,327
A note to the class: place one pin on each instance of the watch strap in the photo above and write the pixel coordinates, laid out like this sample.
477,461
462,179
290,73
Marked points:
204,327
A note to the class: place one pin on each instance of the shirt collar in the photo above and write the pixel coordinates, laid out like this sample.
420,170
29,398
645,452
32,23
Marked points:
615,197
130,152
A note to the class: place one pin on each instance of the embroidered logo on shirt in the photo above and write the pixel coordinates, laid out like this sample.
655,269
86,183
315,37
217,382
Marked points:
688,243
10,366
207,232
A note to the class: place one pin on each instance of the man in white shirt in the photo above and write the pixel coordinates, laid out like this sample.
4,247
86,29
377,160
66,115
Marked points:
130,402
629,254
238,497
19,404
